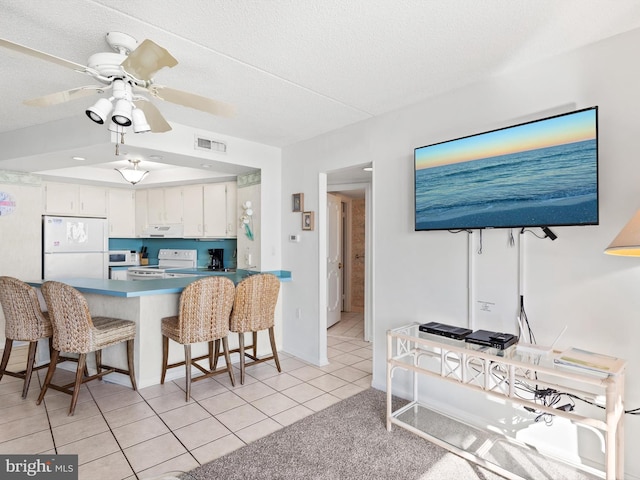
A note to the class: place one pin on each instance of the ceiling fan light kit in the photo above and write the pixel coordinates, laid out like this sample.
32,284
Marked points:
122,113
128,71
140,124
100,111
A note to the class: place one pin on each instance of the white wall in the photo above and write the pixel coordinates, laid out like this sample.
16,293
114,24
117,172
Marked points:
20,244
420,276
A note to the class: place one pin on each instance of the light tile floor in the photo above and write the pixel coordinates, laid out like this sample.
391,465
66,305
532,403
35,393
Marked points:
122,434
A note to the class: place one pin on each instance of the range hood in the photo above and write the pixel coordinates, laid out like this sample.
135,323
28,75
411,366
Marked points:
163,231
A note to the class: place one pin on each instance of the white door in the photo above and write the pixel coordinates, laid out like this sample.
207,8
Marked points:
334,259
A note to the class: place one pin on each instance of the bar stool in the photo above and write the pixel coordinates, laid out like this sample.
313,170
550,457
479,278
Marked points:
75,331
203,316
254,310
24,321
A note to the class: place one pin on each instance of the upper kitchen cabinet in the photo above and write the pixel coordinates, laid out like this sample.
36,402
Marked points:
122,213
192,211
232,210
141,212
70,199
164,205
219,210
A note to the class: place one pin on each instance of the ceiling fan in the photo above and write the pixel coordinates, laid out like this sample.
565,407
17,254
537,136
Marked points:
127,72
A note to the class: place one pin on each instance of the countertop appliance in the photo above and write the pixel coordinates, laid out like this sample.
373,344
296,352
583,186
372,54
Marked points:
74,247
123,258
217,259
168,259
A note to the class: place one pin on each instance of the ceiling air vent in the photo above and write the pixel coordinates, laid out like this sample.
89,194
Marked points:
210,145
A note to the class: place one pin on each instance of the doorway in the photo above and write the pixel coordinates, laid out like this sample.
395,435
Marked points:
346,222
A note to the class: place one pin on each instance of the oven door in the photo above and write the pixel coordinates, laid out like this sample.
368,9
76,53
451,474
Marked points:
180,275
144,274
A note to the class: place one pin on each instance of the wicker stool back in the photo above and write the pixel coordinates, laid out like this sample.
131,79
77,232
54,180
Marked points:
76,331
24,321
254,310
203,316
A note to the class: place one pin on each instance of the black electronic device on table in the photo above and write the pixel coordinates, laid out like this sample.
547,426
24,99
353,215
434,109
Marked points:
449,331
487,338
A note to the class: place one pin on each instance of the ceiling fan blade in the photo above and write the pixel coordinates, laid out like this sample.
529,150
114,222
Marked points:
192,100
147,59
154,118
44,56
67,95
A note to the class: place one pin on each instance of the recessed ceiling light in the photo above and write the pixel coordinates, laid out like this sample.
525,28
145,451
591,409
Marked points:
156,157
205,165
80,159
368,169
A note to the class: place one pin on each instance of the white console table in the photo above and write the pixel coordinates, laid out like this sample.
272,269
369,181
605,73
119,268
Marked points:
497,373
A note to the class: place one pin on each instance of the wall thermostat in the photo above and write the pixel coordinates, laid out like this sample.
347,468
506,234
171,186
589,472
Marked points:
294,238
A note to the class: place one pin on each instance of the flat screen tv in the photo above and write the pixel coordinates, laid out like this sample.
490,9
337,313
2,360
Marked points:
535,174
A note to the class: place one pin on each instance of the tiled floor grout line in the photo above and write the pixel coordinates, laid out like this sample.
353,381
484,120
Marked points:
347,338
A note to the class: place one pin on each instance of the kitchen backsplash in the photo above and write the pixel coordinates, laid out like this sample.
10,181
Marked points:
155,244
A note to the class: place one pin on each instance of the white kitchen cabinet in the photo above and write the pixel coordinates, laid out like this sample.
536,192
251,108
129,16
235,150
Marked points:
215,210
219,210
122,213
233,217
73,199
141,212
164,205
192,211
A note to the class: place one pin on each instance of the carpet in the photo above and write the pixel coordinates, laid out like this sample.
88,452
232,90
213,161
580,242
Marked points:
347,440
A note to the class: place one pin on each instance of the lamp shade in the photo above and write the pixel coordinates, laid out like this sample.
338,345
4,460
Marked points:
140,124
99,111
122,113
627,242
133,175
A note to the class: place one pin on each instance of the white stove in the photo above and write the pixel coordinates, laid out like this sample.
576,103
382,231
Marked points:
168,259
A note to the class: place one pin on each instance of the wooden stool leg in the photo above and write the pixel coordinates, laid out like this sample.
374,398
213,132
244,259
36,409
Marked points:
241,351
47,380
98,355
82,363
216,354
8,343
187,366
272,339
131,363
165,358
31,360
255,344
227,358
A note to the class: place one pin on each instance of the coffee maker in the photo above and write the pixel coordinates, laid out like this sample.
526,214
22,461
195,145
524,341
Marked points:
216,262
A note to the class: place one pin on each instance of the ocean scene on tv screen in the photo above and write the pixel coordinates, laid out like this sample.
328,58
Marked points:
543,173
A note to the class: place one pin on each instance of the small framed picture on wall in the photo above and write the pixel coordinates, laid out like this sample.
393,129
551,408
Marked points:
297,202
307,220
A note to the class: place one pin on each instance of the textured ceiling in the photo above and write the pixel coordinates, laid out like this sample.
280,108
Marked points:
295,69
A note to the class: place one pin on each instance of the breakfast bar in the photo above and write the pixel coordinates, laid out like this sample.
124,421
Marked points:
145,303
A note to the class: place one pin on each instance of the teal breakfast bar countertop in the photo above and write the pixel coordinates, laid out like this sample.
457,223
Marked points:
160,286
147,302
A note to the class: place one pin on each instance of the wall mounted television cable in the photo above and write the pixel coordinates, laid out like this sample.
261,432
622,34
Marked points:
542,173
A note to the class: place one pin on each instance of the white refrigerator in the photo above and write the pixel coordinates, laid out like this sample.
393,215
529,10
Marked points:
74,247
